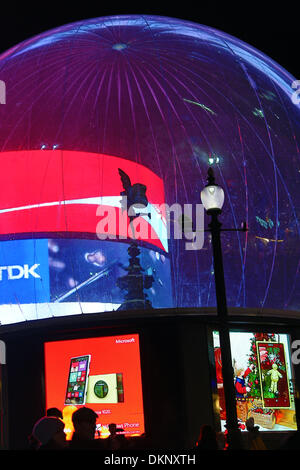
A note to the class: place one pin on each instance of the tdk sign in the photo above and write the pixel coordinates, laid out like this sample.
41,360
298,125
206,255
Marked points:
18,272
24,272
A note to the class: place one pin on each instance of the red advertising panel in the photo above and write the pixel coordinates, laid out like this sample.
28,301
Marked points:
68,192
99,373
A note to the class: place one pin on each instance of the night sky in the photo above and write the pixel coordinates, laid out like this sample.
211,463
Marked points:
272,30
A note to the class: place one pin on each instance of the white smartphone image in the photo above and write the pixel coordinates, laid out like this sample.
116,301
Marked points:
78,380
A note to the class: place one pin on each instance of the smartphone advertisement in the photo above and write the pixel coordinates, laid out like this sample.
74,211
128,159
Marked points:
103,374
78,380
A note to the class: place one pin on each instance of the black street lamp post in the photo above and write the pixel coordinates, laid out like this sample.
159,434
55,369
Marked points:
212,198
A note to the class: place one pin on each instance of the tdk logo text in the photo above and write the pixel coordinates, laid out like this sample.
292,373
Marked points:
18,272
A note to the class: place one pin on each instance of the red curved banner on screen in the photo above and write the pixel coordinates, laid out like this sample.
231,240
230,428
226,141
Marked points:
68,192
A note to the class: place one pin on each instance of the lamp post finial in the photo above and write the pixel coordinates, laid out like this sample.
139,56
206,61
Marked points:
211,176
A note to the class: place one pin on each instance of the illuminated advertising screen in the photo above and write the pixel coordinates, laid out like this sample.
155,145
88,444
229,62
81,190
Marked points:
263,380
44,278
69,193
103,374
64,241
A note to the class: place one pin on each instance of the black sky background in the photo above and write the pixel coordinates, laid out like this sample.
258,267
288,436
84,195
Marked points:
275,30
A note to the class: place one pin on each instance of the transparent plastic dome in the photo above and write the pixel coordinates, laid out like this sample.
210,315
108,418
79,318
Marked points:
169,98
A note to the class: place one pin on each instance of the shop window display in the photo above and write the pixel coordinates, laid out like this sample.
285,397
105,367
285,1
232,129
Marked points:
263,379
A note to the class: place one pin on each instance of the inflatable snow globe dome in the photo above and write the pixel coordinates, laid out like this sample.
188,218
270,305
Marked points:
99,104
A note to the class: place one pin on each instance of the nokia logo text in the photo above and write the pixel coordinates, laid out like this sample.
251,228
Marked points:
18,272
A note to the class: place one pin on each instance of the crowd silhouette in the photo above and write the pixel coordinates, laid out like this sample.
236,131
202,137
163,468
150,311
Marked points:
48,434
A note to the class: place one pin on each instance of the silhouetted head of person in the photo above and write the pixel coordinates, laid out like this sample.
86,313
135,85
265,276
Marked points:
54,412
207,436
49,430
250,423
84,422
112,429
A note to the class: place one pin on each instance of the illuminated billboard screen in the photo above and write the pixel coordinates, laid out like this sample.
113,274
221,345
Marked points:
263,380
68,193
99,373
65,239
44,278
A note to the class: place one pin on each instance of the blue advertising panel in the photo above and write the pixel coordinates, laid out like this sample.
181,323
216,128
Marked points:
24,272
42,278
87,271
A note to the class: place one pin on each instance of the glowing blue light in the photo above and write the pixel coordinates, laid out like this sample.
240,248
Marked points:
119,47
